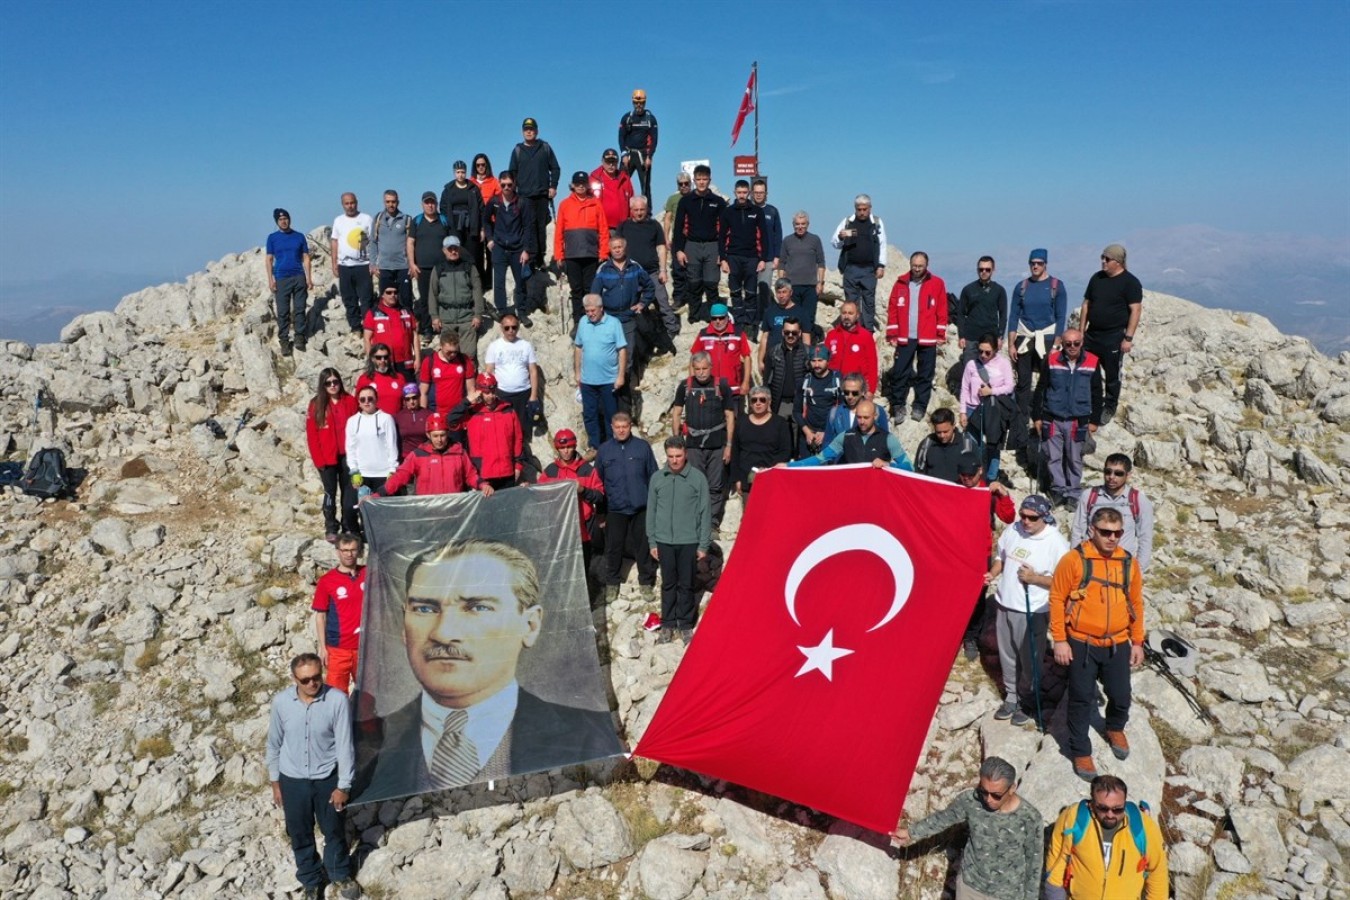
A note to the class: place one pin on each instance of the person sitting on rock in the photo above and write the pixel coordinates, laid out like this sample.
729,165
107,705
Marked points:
1003,853
1097,624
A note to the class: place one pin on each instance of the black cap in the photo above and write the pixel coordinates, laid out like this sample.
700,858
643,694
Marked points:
529,125
579,177
278,213
967,465
427,195
610,153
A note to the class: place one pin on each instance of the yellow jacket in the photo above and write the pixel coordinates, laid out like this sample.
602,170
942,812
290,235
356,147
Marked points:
1128,877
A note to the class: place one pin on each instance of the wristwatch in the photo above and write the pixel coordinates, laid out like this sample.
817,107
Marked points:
1130,338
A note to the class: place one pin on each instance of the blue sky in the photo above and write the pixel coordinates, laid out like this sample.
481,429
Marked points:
144,139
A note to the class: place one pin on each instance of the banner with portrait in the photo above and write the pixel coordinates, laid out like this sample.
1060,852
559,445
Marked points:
478,653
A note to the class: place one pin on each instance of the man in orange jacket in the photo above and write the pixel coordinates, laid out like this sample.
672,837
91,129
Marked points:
1097,623
579,236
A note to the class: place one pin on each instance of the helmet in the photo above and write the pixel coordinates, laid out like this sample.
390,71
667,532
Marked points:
436,422
485,381
639,94
565,438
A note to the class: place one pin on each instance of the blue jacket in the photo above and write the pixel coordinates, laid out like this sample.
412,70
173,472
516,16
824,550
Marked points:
853,446
841,420
1067,391
626,469
622,289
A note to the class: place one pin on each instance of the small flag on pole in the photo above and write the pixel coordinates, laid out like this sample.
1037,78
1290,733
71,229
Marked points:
747,106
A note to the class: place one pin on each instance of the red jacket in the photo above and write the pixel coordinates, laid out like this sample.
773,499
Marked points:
448,472
932,312
328,443
1000,506
592,489
388,390
588,225
853,351
614,194
496,446
395,327
729,351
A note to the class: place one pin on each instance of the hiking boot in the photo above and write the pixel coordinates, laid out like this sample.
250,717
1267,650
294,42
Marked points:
1006,710
1020,718
972,650
313,893
916,415
285,347
611,593
1084,767
526,321
1120,746
1108,413
348,889
300,344
665,635
331,537
686,635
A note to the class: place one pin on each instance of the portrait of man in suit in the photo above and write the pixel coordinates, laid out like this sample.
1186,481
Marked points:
471,612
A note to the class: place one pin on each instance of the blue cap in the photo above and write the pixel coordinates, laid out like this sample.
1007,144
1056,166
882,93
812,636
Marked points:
820,351
718,309
1039,253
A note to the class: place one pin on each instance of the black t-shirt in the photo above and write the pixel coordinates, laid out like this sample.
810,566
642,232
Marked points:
643,238
704,408
1109,300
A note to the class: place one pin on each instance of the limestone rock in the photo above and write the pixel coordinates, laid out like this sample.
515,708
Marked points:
1323,773
666,871
590,832
855,868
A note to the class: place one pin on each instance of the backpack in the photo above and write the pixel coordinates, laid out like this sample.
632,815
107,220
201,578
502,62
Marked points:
1096,492
47,475
1089,577
1054,287
1134,820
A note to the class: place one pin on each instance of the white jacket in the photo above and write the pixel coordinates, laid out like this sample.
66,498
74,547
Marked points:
372,445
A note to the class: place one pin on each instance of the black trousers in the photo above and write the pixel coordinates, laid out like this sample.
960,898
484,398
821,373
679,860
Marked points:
1030,365
357,289
518,401
339,498
1106,346
914,367
580,273
1110,666
628,532
307,801
679,562
420,307
539,205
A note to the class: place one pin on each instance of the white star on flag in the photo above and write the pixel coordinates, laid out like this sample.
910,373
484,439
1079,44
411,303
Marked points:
822,657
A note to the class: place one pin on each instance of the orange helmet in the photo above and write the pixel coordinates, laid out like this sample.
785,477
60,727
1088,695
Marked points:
639,95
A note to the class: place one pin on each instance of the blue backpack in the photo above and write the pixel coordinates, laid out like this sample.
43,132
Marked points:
1134,820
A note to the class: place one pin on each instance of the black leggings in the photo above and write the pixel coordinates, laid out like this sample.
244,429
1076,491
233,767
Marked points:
338,494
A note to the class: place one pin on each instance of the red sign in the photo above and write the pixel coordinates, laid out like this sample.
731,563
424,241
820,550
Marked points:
746,165
817,669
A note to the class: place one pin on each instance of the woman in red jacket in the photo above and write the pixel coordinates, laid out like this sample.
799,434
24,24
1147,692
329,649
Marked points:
387,381
326,429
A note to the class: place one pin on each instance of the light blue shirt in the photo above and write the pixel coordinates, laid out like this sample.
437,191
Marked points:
306,740
600,343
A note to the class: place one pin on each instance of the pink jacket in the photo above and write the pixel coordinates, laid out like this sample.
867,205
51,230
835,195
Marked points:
1000,380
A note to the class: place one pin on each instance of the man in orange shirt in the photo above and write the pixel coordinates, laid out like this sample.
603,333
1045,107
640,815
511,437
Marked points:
578,237
1097,623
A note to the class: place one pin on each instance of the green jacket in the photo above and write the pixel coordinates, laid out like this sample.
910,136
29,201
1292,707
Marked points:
678,508
456,293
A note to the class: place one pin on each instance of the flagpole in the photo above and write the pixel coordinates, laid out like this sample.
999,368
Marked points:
754,71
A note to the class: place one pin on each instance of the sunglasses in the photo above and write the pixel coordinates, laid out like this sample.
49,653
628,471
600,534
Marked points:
992,795
379,356
1036,262
332,382
313,679
1101,807
391,291
792,334
366,399
759,399
986,352
1119,473
984,269
510,328
1106,258
852,393
1029,517
1073,343
1110,532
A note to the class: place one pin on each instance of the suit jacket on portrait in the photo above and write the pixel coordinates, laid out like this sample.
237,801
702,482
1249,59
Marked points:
543,735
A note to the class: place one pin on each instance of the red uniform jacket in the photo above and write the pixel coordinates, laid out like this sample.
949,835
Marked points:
592,493
932,312
388,390
448,472
328,443
614,194
729,351
853,351
496,446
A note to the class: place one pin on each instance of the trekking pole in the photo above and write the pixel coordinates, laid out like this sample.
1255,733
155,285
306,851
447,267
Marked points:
232,446
1035,660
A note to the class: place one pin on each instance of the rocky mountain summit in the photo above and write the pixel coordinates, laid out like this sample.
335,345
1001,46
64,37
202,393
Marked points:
145,625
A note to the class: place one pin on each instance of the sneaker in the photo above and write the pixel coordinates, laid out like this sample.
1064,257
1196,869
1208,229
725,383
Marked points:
971,650
1084,767
686,635
313,893
300,344
1006,710
1020,718
1120,746
331,537
527,321
348,889
285,348
665,635
916,415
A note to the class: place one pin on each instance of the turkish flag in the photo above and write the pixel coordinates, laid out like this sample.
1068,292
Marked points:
747,106
818,666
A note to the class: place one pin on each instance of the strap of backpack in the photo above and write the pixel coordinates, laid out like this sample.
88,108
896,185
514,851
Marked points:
982,372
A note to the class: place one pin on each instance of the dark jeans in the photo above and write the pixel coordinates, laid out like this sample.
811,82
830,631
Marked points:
1106,346
580,273
709,462
420,308
860,286
743,284
292,297
1110,666
358,293
679,562
518,399
914,367
628,532
805,296
539,205
503,259
399,278
338,494
598,405
1030,364
306,802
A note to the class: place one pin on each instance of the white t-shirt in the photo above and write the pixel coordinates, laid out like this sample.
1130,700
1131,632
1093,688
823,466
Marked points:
1041,552
352,234
511,361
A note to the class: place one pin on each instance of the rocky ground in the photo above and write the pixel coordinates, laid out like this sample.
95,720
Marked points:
145,625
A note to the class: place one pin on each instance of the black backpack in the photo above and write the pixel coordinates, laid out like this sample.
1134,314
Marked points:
47,475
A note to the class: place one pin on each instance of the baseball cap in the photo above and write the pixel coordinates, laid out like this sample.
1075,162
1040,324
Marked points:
485,381
610,153
428,195
278,213
565,437
967,465
1038,254
529,125
450,241
1116,252
410,390
436,422
580,177
820,351
718,309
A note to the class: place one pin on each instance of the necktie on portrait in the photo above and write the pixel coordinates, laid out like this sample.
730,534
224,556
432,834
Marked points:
455,760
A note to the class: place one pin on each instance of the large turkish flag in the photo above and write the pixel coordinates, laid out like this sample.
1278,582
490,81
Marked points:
816,670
